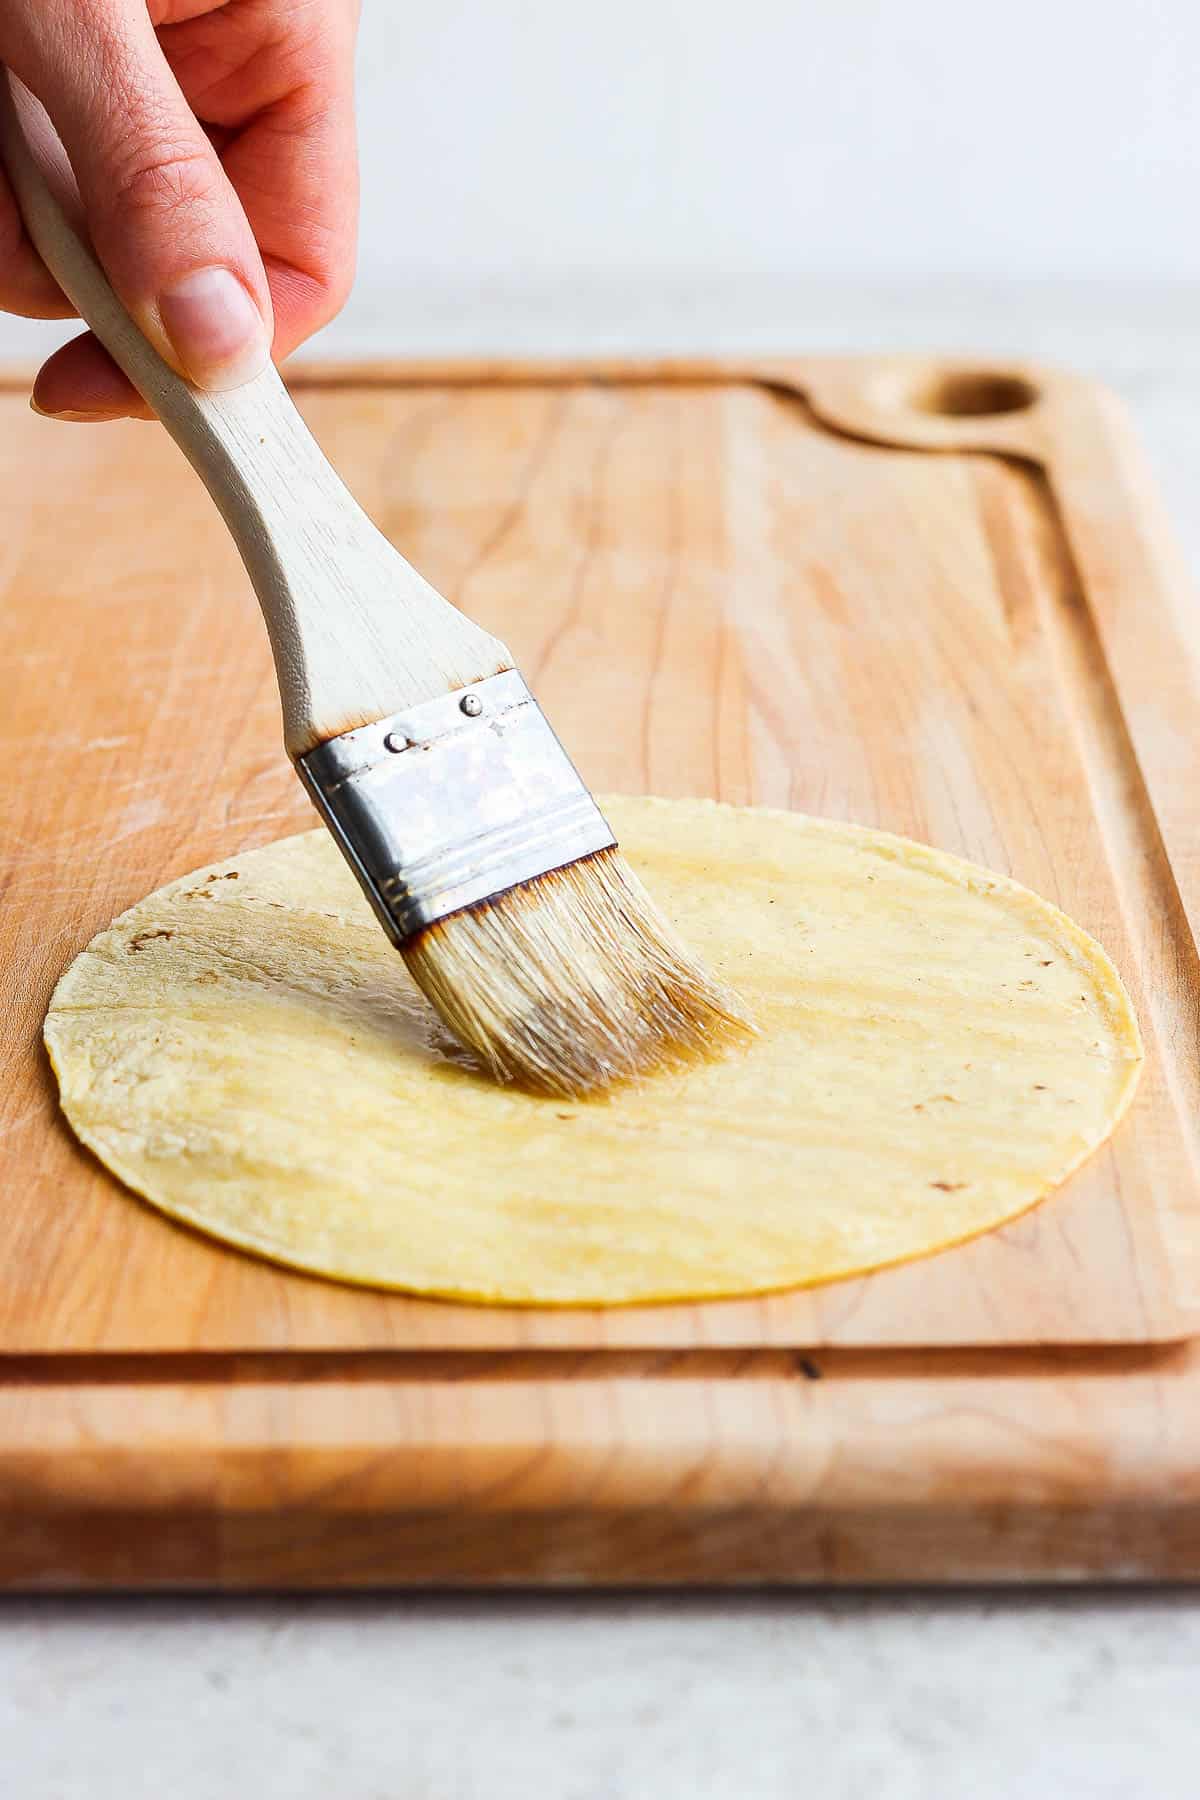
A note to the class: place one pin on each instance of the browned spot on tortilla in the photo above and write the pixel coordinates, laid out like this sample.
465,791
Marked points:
142,938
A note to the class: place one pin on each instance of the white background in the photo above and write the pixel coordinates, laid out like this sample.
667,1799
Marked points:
582,173
640,139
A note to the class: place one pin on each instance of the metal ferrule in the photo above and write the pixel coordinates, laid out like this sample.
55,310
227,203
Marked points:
452,802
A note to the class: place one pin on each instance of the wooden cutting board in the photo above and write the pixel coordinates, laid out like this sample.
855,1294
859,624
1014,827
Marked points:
920,595
719,586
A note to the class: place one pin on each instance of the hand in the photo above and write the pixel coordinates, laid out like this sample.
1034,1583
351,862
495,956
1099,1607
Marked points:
213,145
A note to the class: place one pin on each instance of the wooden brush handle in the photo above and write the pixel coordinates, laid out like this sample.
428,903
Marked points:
357,633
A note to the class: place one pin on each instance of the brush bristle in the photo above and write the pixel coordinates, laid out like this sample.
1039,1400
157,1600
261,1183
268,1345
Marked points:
572,981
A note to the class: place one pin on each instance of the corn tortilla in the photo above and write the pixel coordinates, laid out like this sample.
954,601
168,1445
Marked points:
938,1048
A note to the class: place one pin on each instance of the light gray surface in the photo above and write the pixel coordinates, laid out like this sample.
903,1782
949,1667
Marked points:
857,1697
1066,1696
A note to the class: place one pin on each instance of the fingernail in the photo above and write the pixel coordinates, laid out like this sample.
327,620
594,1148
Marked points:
73,418
216,330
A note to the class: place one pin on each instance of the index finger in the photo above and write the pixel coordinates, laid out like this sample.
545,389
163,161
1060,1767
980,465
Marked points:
284,128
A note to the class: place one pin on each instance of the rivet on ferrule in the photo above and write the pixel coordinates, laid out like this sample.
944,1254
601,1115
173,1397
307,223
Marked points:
434,816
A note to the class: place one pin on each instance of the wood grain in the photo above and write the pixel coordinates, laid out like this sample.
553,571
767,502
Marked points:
715,593
557,1469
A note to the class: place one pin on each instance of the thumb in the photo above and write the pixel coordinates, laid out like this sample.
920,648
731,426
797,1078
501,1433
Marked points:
163,218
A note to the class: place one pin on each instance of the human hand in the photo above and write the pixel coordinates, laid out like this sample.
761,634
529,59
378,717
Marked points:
213,145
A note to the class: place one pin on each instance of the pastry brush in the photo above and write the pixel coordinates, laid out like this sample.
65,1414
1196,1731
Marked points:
485,858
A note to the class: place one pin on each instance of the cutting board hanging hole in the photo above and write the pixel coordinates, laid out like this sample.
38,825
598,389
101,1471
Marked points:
972,394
